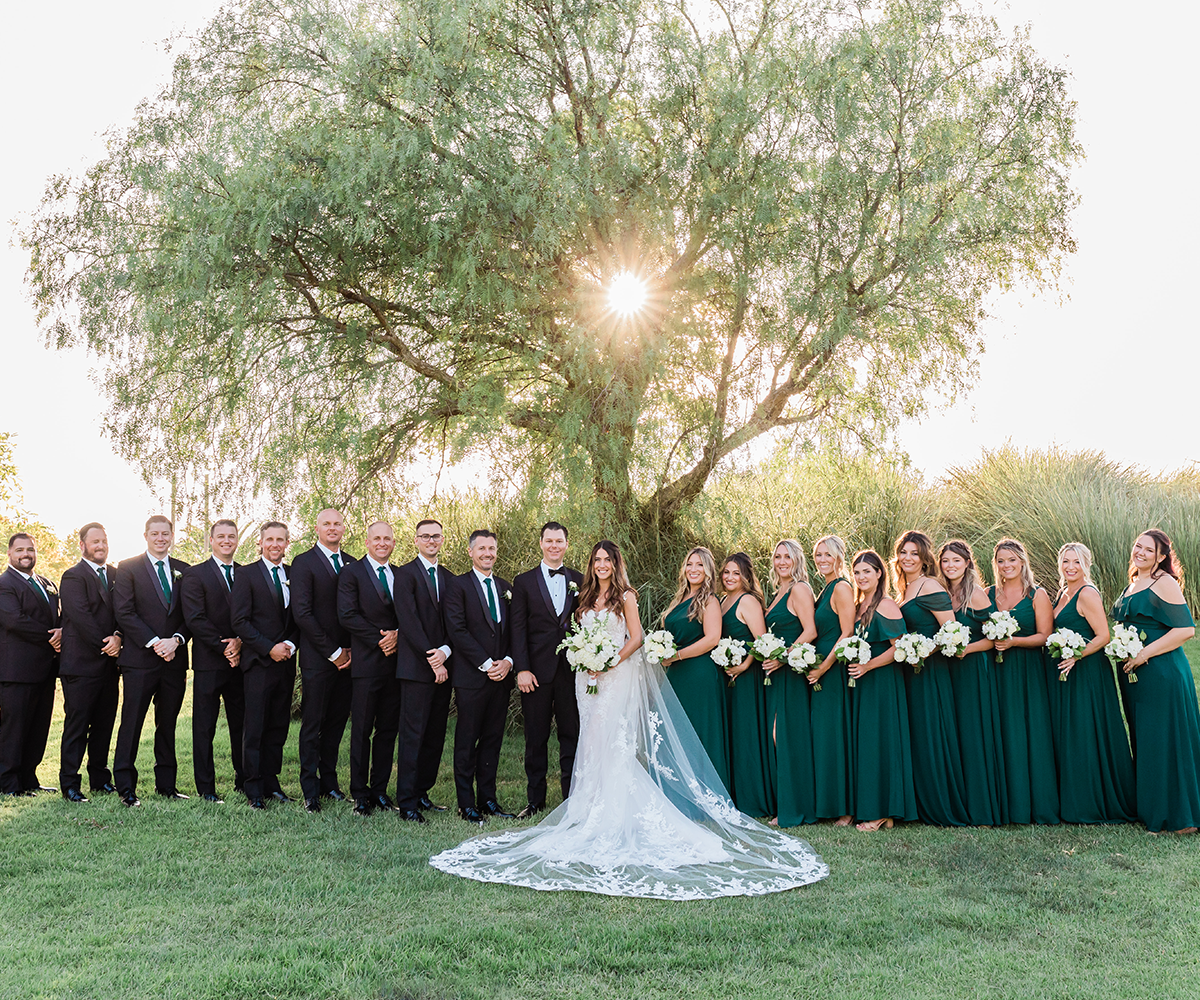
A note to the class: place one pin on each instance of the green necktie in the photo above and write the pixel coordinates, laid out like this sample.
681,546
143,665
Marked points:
337,565
487,582
433,580
163,581
278,585
228,575
383,580
103,578
38,588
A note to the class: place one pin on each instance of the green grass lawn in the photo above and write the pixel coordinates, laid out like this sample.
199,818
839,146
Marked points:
192,900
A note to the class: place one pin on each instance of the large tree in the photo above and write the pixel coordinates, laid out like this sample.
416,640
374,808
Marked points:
350,231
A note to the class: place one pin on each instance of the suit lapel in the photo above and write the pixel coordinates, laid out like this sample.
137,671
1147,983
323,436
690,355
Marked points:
105,592
275,591
218,576
374,578
428,582
324,559
541,582
152,573
487,612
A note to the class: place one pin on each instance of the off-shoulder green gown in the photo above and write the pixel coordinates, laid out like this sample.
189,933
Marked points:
829,711
788,713
976,702
751,752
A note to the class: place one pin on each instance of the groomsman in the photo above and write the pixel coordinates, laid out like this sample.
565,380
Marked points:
543,600
207,590
262,618
324,660
30,639
153,660
477,616
367,611
421,657
91,643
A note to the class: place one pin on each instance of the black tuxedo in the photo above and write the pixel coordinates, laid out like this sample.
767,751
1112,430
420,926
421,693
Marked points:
89,677
28,664
424,704
482,702
536,632
144,612
364,610
262,617
207,609
326,690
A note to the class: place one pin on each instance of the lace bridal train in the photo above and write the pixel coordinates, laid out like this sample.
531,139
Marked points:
647,815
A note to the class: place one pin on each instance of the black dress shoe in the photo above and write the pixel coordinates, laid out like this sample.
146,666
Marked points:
281,797
171,793
471,814
412,815
312,805
129,799
424,804
213,797
492,808
363,807
530,811
383,802
108,786
257,803
74,795
334,795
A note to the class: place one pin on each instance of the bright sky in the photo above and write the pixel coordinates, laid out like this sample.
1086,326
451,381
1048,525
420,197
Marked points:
1127,334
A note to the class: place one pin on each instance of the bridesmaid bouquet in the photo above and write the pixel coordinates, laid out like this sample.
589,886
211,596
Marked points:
912,647
802,658
767,646
1000,625
659,646
953,638
1126,643
591,648
729,653
1065,644
852,649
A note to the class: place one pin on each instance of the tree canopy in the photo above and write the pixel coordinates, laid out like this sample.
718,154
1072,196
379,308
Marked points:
347,232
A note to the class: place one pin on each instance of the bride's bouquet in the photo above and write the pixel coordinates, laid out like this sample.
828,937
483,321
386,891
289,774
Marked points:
767,646
1126,643
591,648
912,647
1065,644
1001,625
952,638
659,646
852,649
729,653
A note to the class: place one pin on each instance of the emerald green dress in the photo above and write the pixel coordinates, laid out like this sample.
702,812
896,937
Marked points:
977,704
751,752
933,722
1164,723
829,712
883,780
788,713
699,684
1022,681
1095,769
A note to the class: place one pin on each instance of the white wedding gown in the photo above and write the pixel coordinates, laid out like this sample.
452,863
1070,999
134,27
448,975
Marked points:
647,814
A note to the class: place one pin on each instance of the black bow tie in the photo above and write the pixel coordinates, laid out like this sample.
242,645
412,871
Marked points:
561,571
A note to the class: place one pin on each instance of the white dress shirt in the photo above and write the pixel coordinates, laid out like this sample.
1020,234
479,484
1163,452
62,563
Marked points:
287,590
329,554
437,587
557,585
486,665
387,572
166,561
225,579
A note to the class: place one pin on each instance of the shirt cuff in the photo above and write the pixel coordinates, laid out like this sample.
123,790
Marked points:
181,639
337,654
152,642
290,645
485,666
445,651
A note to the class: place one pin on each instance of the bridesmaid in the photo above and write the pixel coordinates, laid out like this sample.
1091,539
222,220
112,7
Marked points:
883,780
973,679
751,753
1164,724
833,769
1022,681
932,723
694,619
1095,769
790,617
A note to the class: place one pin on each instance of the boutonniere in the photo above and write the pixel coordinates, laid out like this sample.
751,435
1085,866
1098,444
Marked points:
508,595
573,587
47,586
177,574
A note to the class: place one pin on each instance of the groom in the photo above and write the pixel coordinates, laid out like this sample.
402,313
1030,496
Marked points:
542,603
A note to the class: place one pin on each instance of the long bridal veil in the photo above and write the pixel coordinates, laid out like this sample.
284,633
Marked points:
647,815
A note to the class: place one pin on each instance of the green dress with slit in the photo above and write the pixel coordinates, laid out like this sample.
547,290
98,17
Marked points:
751,752
883,780
1022,681
977,704
933,722
1164,723
699,684
788,714
829,713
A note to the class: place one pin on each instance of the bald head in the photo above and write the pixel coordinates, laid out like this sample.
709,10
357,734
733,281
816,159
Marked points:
331,529
380,541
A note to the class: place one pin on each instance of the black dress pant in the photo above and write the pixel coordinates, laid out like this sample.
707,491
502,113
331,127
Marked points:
165,686
209,687
324,711
91,713
433,742
553,700
268,691
25,711
374,720
422,737
478,735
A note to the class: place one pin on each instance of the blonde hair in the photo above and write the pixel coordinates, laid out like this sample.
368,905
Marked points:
707,588
960,596
1028,582
838,548
1084,555
799,563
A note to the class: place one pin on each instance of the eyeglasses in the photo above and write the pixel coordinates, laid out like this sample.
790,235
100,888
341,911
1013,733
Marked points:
429,538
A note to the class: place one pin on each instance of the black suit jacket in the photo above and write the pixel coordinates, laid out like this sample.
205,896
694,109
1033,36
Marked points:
207,609
314,606
535,629
474,637
143,613
364,610
88,618
26,656
258,614
419,612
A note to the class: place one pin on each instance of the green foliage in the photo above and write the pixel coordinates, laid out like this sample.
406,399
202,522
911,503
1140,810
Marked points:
55,553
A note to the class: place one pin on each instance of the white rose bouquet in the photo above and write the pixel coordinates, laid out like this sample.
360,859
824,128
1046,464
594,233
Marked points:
852,649
1001,625
729,653
912,647
591,648
659,646
952,638
767,646
1126,643
802,658
1065,644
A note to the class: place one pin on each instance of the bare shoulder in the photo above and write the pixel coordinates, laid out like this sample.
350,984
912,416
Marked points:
1089,599
1167,587
889,609
629,597
980,600
933,585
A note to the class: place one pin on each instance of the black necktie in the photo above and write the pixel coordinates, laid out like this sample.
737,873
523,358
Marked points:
561,571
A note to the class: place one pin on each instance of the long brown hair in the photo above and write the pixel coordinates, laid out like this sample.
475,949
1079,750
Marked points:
871,558
960,596
618,586
1028,582
707,588
1168,562
924,546
749,580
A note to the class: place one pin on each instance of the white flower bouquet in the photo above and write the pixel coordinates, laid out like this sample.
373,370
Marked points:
913,648
767,646
591,648
729,653
952,638
802,658
1126,643
1065,644
1001,625
659,646
852,649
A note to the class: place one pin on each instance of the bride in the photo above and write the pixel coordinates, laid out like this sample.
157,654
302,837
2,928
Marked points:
647,815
